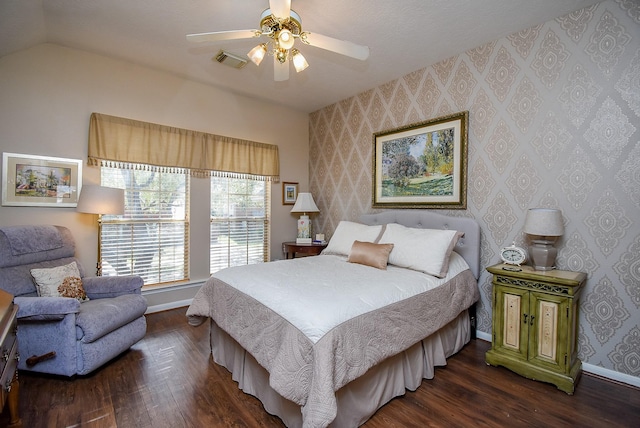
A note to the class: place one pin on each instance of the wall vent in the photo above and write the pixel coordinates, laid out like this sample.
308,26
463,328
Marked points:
230,59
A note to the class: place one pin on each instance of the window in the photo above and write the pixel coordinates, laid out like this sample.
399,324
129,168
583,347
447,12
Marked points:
239,222
151,239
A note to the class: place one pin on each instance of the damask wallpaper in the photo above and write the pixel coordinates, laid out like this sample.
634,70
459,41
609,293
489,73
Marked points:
553,122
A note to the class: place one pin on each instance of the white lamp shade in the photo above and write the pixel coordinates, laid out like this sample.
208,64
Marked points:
299,61
544,222
305,204
285,39
96,199
256,55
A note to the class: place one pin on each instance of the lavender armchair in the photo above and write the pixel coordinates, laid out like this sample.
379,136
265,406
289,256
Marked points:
83,336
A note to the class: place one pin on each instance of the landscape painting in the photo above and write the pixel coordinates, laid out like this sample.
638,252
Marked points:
30,180
422,165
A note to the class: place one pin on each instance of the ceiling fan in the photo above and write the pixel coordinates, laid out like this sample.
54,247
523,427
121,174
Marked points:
283,26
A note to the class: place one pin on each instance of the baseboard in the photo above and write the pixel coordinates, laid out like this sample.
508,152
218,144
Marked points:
168,306
589,368
166,298
484,336
611,375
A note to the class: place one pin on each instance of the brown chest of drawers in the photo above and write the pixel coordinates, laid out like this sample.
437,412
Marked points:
9,357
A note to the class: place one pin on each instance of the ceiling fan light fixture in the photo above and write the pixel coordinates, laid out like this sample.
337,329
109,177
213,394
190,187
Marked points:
283,26
285,39
257,54
281,55
299,61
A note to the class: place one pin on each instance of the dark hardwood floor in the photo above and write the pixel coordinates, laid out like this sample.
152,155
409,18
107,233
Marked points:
169,380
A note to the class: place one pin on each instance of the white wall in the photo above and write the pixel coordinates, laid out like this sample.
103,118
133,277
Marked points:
48,93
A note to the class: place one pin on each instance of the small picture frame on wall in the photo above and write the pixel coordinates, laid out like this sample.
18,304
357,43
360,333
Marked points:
40,181
289,193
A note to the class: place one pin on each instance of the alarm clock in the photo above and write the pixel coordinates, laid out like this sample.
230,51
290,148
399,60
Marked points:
513,255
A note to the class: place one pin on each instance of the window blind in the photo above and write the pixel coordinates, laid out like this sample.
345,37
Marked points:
151,239
239,222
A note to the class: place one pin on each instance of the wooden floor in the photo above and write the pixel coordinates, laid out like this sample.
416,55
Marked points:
169,380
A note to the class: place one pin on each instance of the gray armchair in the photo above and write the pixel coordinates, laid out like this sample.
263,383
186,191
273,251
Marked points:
67,337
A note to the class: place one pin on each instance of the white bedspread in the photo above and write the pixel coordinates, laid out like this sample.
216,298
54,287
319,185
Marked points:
317,294
349,324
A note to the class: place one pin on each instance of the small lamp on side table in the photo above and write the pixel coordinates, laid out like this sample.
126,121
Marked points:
545,224
100,200
304,204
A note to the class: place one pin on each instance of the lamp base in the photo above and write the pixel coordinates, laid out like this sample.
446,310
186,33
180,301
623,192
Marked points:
543,254
304,230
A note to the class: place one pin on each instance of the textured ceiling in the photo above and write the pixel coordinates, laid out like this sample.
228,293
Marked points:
403,36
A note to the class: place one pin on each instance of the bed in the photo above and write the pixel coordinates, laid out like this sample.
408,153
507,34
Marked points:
327,340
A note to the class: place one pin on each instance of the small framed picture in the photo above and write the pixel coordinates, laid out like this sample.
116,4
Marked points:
289,193
40,181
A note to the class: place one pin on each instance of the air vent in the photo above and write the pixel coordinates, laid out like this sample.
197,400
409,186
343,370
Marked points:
230,59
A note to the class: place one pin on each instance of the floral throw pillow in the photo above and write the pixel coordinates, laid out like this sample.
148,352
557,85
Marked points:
59,281
72,287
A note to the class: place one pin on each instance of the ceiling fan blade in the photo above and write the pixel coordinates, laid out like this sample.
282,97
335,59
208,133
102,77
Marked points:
338,46
280,8
223,35
280,70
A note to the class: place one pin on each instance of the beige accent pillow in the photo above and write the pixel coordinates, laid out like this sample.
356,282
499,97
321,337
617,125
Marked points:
424,250
59,281
346,233
370,254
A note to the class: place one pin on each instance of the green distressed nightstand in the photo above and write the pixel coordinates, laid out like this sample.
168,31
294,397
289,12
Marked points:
535,323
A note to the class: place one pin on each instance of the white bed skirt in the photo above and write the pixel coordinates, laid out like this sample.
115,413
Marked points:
359,399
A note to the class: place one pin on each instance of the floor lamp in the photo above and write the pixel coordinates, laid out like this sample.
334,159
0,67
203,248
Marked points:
100,200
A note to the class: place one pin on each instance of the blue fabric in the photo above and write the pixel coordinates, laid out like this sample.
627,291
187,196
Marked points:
100,287
95,354
102,316
32,239
39,338
18,281
7,258
42,308
84,336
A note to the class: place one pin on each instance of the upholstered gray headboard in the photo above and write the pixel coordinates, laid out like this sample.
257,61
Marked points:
468,246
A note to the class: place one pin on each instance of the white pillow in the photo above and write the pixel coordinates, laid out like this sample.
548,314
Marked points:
424,250
59,281
347,233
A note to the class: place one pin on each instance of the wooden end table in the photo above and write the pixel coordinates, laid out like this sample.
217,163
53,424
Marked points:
291,248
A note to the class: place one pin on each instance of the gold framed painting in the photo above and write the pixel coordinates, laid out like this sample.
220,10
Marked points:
40,181
423,165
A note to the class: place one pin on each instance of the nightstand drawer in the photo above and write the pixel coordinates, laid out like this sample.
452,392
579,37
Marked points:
8,347
8,353
9,370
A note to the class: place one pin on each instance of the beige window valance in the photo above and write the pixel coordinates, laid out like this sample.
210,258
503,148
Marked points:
116,140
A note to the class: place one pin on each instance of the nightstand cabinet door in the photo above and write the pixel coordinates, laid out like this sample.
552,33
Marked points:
548,331
510,321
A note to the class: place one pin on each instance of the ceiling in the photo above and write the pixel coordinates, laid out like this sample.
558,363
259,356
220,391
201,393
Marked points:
403,36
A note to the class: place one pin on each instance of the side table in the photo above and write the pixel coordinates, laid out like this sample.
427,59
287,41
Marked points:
291,248
9,358
535,324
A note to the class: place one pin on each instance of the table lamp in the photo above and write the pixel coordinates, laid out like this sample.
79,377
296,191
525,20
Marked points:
94,199
304,204
545,225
